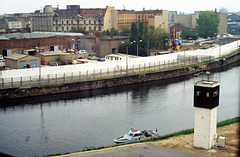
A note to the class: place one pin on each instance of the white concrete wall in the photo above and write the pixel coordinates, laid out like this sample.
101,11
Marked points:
205,125
104,66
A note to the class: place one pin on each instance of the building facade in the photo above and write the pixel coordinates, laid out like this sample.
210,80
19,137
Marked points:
191,19
63,20
13,23
157,18
101,45
42,21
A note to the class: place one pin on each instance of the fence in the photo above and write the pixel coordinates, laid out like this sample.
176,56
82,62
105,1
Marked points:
71,73
87,75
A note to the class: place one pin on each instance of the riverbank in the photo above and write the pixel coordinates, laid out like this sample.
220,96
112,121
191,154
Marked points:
183,141
121,80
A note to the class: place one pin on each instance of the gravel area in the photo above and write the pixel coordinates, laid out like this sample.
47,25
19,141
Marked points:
185,143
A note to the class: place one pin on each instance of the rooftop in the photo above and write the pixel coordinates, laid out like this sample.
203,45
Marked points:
16,56
207,83
52,53
36,35
11,19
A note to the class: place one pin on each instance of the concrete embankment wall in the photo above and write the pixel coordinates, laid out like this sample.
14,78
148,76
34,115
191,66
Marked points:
113,82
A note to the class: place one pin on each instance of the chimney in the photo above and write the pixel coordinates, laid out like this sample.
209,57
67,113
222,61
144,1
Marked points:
144,9
98,34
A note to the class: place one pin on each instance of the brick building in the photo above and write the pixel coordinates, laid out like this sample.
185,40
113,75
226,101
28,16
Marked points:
18,43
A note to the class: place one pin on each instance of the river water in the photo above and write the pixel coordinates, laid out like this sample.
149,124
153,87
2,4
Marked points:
69,122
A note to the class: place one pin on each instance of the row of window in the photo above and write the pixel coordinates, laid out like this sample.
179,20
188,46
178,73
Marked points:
74,22
67,28
134,16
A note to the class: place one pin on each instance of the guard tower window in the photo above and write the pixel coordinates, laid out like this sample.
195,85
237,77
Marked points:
215,93
207,94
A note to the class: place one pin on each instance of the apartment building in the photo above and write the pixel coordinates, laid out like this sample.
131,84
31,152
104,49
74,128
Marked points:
63,20
157,18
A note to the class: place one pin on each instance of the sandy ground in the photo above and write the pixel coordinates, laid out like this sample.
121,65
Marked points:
185,143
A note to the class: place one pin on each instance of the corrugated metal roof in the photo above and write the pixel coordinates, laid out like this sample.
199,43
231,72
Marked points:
36,35
58,33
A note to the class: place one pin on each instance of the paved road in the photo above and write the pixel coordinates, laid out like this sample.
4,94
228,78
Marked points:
136,150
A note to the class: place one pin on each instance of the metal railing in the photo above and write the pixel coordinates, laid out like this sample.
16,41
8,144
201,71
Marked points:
69,77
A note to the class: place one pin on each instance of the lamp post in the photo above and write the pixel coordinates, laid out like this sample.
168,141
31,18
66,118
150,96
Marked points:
219,47
39,66
137,46
126,56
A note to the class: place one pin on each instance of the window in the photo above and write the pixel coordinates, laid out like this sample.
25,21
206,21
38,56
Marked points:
215,93
67,22
207,94
89,22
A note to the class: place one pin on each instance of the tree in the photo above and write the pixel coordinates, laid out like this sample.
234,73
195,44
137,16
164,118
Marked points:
78,30
158,38
125,31
187,33
112,32
133,37
207,24
145,43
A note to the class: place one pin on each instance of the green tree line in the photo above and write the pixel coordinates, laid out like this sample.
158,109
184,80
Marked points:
143,38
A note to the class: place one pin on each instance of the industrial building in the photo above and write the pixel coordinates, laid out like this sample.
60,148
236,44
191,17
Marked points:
21,61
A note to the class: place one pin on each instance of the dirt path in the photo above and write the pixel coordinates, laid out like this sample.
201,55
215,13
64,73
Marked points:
185,143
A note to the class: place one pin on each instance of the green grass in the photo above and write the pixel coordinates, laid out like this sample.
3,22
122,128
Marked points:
159,138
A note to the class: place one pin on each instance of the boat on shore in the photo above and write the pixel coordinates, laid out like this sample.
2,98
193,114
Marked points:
134,135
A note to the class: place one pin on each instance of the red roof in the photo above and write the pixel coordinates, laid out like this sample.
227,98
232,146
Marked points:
92,12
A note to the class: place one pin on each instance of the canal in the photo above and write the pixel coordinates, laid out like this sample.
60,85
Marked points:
69,122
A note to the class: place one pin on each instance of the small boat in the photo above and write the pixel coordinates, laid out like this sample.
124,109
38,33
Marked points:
134,135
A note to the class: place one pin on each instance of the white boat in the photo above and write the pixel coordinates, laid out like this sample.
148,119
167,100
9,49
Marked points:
134,135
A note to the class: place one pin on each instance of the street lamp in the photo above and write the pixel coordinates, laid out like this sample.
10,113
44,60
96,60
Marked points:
137,46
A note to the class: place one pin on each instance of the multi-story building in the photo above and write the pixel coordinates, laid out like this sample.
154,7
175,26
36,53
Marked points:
42,21
190,21
63,20
147,17
234,24
13,23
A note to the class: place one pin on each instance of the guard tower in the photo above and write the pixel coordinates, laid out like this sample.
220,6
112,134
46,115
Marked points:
206,101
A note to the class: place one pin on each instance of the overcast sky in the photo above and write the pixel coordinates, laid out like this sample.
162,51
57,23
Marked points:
187,6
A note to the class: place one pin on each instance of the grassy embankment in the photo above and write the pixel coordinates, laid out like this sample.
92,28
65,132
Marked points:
159,138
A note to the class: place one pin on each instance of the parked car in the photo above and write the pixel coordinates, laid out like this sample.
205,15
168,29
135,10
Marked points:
101,59
82,51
